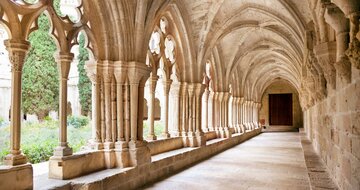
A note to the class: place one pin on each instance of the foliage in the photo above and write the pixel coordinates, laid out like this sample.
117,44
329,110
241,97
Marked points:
77,121
158,128
38,140
84,84
40,74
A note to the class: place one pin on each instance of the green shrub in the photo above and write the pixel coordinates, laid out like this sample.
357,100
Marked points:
39,151
77,121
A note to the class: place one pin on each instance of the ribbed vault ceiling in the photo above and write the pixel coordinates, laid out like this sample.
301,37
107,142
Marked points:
249,43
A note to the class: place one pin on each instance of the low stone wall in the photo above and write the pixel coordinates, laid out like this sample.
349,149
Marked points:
210,135
165,145
16,177
148,173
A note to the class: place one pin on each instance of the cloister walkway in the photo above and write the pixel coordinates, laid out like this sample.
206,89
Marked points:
268,161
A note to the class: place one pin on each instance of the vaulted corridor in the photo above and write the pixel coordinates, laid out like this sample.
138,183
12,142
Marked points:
267,161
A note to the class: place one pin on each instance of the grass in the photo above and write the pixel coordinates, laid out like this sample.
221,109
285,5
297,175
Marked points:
38,140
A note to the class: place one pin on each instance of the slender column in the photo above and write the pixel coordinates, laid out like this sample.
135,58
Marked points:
242,112
127,112
140,122
120,111
17,53
184,108
134,90
226,110
205,111
152,85
174,117
191,109
107,78
113,111
210,108
166,86
121,141
221,108
96,104
64,62
102,110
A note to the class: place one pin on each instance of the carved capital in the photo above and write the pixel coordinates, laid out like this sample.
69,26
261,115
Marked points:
64,63
17,52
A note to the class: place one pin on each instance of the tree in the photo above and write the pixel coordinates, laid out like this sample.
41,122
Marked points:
84,84
40,73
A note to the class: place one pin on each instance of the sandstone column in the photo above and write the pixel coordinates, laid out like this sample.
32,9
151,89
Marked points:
107,75
152,85
227,132
64,62
166,86
91,70
138,73
174,115
17,52
205,110
210,108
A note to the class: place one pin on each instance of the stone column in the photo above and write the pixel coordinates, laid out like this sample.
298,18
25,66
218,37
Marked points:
231,112
174,115
196,91
91,70
184,109
242,112
64,62
205,111
17,52
139,153
210,108
152,85
120,76
227,132
107,75
216,111
166,86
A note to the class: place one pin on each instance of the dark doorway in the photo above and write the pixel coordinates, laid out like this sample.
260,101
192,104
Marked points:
280,109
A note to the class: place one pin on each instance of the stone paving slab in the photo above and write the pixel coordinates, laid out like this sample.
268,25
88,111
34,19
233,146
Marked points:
268,161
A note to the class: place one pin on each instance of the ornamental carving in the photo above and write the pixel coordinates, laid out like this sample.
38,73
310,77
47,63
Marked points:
17,59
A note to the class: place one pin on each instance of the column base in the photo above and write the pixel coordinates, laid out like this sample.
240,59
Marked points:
15,160
139,153
62,151
97,146
175,134
196,139
165,135
151,137
109,158
243,128
109,145
122,154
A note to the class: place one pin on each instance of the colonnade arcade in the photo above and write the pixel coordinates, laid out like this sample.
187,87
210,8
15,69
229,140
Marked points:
213,62
118,91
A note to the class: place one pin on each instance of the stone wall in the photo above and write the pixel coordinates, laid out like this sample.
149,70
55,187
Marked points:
333,125
282,87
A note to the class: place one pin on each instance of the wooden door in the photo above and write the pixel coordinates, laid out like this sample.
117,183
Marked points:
280,109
